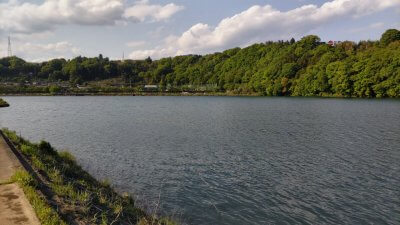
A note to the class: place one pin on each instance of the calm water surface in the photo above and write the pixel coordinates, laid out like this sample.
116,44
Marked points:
231,160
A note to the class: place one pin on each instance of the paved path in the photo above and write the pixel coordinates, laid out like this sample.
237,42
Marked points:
14,207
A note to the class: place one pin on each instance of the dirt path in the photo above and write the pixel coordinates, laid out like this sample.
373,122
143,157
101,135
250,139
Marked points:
14,207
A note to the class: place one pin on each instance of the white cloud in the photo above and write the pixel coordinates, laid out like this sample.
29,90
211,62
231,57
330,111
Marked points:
41,52
135,44
261,23
158,32
59,47
17,17
377,25
142,10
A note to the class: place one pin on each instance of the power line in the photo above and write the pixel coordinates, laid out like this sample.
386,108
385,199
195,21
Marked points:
9,47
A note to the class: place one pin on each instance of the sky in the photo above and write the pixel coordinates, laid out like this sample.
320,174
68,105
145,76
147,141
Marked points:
44,29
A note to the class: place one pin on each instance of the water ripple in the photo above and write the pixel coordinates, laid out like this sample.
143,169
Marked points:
220,160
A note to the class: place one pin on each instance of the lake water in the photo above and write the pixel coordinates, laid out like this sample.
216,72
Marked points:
232,160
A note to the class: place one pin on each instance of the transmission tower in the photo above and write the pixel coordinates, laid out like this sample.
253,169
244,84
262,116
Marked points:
9,47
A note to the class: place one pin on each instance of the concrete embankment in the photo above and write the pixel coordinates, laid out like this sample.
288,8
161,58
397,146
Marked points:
14,206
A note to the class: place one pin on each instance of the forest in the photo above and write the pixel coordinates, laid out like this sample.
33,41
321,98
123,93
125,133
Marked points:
307,67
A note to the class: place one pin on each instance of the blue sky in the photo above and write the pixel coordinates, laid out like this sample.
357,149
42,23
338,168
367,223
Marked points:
43,29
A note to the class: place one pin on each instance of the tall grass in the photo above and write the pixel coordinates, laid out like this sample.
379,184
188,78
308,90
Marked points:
75,195
45,213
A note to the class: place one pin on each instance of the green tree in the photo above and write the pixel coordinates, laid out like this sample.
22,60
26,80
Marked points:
390,36
54,89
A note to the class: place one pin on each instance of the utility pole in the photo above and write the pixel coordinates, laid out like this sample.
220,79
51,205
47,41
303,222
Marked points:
9,54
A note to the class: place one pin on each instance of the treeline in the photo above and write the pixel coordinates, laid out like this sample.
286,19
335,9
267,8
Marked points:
304,68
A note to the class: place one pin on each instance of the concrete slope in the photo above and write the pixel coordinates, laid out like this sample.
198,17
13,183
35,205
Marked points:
14,206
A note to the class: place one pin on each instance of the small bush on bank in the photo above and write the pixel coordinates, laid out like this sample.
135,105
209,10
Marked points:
3,103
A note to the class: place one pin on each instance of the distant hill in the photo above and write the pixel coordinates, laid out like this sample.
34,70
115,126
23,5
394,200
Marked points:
307,67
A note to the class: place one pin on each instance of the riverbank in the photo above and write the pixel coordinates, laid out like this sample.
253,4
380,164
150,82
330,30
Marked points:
67,193
3,103
14,205
216,94
133,94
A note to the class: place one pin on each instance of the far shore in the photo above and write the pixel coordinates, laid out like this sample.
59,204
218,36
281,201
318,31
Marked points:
133,94
216,94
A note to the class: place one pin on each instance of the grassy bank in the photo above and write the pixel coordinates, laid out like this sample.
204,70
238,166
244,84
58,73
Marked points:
61,192
3,103
45,213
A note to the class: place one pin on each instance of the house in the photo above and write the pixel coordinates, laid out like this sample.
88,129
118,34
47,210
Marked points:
150,87
334,43
81,87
